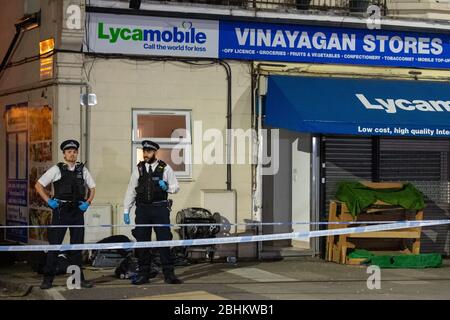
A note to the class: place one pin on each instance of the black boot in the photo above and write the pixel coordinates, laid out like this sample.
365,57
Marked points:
86,284
153,274
47,283
153,270
171,278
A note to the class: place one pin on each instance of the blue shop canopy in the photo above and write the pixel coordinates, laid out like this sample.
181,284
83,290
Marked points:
358,106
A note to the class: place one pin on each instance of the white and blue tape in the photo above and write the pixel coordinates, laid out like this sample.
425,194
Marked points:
198,224
226,240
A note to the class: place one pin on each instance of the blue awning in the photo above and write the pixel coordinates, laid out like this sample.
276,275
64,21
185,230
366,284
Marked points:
358,106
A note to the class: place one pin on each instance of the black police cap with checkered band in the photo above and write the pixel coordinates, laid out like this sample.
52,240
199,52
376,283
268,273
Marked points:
69,144
150,145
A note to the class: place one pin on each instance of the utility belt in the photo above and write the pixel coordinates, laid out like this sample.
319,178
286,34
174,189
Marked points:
162,203
68,203
65,206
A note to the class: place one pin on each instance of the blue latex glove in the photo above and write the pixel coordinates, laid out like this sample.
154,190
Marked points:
126,218
53,203
84,205
163,185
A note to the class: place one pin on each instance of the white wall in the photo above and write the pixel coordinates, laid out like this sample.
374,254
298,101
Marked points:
301,185
122,85
420,9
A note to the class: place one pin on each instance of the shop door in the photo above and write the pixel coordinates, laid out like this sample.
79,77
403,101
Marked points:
286,195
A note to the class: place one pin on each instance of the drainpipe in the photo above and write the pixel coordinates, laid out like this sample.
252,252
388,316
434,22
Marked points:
257,206
262,91
229,123
87,131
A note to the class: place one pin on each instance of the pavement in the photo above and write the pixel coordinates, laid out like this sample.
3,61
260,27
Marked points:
298,278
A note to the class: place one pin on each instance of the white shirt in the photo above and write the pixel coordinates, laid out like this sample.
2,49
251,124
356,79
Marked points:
168,176
54,174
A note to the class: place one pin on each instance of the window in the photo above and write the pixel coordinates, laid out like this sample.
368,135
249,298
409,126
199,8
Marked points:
171,130
45,48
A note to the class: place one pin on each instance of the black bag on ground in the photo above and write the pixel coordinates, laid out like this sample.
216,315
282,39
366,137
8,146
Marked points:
110,258
129,266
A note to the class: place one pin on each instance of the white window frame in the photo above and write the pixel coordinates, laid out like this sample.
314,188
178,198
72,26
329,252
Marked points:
184,143
175,112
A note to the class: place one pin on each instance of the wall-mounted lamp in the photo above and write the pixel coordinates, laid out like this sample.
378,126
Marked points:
29,22
88,99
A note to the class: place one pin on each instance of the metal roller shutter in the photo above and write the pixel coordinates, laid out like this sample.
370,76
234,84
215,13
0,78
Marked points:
346,158
425,163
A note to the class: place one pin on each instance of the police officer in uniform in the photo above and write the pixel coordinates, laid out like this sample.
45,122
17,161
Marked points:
69,202
150,183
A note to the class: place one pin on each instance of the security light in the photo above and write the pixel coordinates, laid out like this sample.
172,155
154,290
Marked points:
88,99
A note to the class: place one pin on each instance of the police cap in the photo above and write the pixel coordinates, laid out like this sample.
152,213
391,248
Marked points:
70,144
150,145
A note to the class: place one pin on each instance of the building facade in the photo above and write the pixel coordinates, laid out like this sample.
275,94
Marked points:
156,70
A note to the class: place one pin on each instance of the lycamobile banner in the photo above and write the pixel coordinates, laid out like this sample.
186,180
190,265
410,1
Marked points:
152,36
261,41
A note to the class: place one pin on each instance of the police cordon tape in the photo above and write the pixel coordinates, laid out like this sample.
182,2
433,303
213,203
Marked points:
225,240
199,224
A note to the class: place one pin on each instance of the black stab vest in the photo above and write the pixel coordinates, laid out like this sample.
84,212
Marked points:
148,189
71,186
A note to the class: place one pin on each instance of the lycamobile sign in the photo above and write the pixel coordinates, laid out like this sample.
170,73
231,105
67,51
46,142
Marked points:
241,40
188,35
152,36
392,105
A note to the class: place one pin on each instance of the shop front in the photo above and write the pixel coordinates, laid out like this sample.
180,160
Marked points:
360,129
156,75
314,114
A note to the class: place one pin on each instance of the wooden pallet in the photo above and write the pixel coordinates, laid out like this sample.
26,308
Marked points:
337,246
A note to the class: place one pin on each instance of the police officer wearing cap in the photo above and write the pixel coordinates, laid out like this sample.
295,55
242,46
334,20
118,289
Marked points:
150,183
70,200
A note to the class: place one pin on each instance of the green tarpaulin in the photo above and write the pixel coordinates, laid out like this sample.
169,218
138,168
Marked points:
410,261
357,196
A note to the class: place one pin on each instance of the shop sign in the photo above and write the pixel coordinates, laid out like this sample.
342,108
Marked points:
179,37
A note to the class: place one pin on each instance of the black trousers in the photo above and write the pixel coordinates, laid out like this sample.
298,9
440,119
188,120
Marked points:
153,214
65,214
